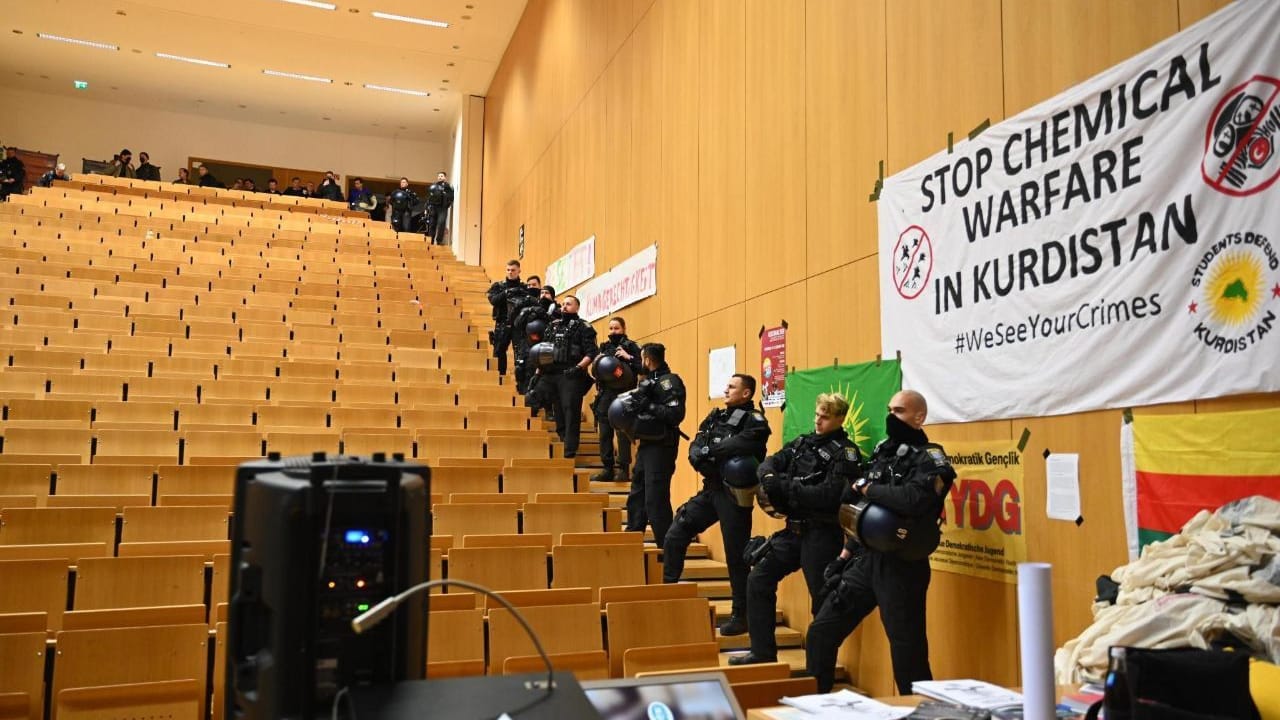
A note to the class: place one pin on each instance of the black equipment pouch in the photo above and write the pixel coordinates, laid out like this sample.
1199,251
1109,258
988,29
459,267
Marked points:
1176,684
756,549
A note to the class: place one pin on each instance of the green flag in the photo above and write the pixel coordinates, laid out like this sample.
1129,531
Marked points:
868,387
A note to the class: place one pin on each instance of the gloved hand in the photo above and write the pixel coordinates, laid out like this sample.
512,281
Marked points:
772,486
831,578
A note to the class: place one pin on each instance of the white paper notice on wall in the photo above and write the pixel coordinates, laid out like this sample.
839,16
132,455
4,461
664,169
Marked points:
722,364
1062,473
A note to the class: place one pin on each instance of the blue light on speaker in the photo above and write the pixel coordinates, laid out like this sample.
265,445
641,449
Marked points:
356,537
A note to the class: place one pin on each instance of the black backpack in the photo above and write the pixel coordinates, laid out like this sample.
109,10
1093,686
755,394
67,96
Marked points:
1176,684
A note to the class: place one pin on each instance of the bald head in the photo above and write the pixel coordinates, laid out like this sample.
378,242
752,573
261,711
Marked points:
910,407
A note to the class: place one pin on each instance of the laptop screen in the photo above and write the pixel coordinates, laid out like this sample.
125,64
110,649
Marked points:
672,697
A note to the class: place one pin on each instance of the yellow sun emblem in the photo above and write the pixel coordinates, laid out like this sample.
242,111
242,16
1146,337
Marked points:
855,423
1235,288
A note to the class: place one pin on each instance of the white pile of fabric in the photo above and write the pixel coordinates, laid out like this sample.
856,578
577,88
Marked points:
1220,574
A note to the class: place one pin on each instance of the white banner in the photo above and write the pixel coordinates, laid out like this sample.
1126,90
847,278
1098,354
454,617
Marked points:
573,267
1116,245
630,281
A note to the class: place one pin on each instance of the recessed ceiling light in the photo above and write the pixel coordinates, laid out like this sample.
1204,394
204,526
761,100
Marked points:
21,74
74,41
466,17
403,127
353,10
409,19
444,89
457,47
402,91
121,13
435,109
314,4
136,51
242,107
193,61
325,118
17,31
296,76
449,64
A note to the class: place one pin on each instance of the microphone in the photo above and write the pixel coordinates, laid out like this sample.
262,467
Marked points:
381,611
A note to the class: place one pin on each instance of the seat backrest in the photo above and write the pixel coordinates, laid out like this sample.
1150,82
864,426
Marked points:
472,519
446,443
532,481
22,657
655,622
597,566
542,540
602,538
456,635
510,568
669,657
768,693
733,673
196,480
133,617
124,656
39,526
560,628
168,698
588,665
534,446
167,524
25,479
559,518
104,583
105,479
34,586
449,480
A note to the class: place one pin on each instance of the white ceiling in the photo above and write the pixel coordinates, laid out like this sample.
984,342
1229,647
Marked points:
348,45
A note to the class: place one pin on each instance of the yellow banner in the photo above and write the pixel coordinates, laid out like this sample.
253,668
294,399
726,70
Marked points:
1237,443
982,517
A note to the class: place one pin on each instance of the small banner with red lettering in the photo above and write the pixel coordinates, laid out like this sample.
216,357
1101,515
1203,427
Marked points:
982,517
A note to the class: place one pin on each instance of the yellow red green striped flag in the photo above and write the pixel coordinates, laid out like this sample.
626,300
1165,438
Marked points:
1186,463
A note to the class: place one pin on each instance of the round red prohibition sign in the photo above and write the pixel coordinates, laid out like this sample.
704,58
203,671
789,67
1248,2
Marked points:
912,262
1239,142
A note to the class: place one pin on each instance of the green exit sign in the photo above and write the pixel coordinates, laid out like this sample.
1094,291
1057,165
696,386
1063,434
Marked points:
81,85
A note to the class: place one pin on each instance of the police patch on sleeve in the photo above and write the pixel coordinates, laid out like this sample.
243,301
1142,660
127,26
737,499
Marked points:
665,383
851,454
759,417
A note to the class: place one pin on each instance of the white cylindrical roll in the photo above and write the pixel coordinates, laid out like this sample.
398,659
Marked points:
1035,628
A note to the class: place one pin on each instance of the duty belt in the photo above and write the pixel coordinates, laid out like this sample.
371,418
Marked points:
800,527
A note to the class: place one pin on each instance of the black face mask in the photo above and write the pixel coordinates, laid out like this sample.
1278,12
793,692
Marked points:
618,338
545,302
900,432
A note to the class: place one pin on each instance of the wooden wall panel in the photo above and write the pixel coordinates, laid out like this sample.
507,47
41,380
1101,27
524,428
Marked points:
721,185
944,74
1192,11
1048,47
679,192
844,126
647,216
775,233
848,298
620,178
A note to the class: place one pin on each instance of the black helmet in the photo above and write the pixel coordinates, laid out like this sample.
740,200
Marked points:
612,373
620,415
542,354
401,198
739,475
879,528
535,329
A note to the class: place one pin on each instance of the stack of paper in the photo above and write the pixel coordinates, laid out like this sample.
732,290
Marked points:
843,705
969,693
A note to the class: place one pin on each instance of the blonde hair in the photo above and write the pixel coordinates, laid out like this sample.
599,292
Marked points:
833,404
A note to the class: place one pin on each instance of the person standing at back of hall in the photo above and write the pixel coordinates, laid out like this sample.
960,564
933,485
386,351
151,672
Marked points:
329,188
12,173
439,200
147,171
663,394
627,351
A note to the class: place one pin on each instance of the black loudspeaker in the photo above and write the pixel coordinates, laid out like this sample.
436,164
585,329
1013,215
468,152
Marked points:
318,540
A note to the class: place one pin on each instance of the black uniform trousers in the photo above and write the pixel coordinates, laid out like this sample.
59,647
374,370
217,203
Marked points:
568,388
501,342
874,579
520,349
809,547
649,501
607,437
402,220
440,216
711,505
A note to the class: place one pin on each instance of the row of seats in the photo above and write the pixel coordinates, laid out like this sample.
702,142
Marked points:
160,415
119,185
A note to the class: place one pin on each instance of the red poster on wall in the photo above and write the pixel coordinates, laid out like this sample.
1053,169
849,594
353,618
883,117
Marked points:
773,366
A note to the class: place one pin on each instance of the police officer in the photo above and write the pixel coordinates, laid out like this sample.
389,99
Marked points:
909,476
574,341
502,295
737,430
663,394
625,349
439,200
402,201
803,481
520,341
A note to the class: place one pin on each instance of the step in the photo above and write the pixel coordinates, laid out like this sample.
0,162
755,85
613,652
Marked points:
794,657
610,486
705,570
714,589
786,638
724,608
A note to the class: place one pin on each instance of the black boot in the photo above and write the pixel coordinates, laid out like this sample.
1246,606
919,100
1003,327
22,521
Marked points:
605,475
735,625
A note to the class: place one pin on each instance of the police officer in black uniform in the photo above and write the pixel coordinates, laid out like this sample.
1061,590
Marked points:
736,430
628,352
804,481
439,200
910,477
12,173
574,341
520,340
402,201
502,296
663,394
